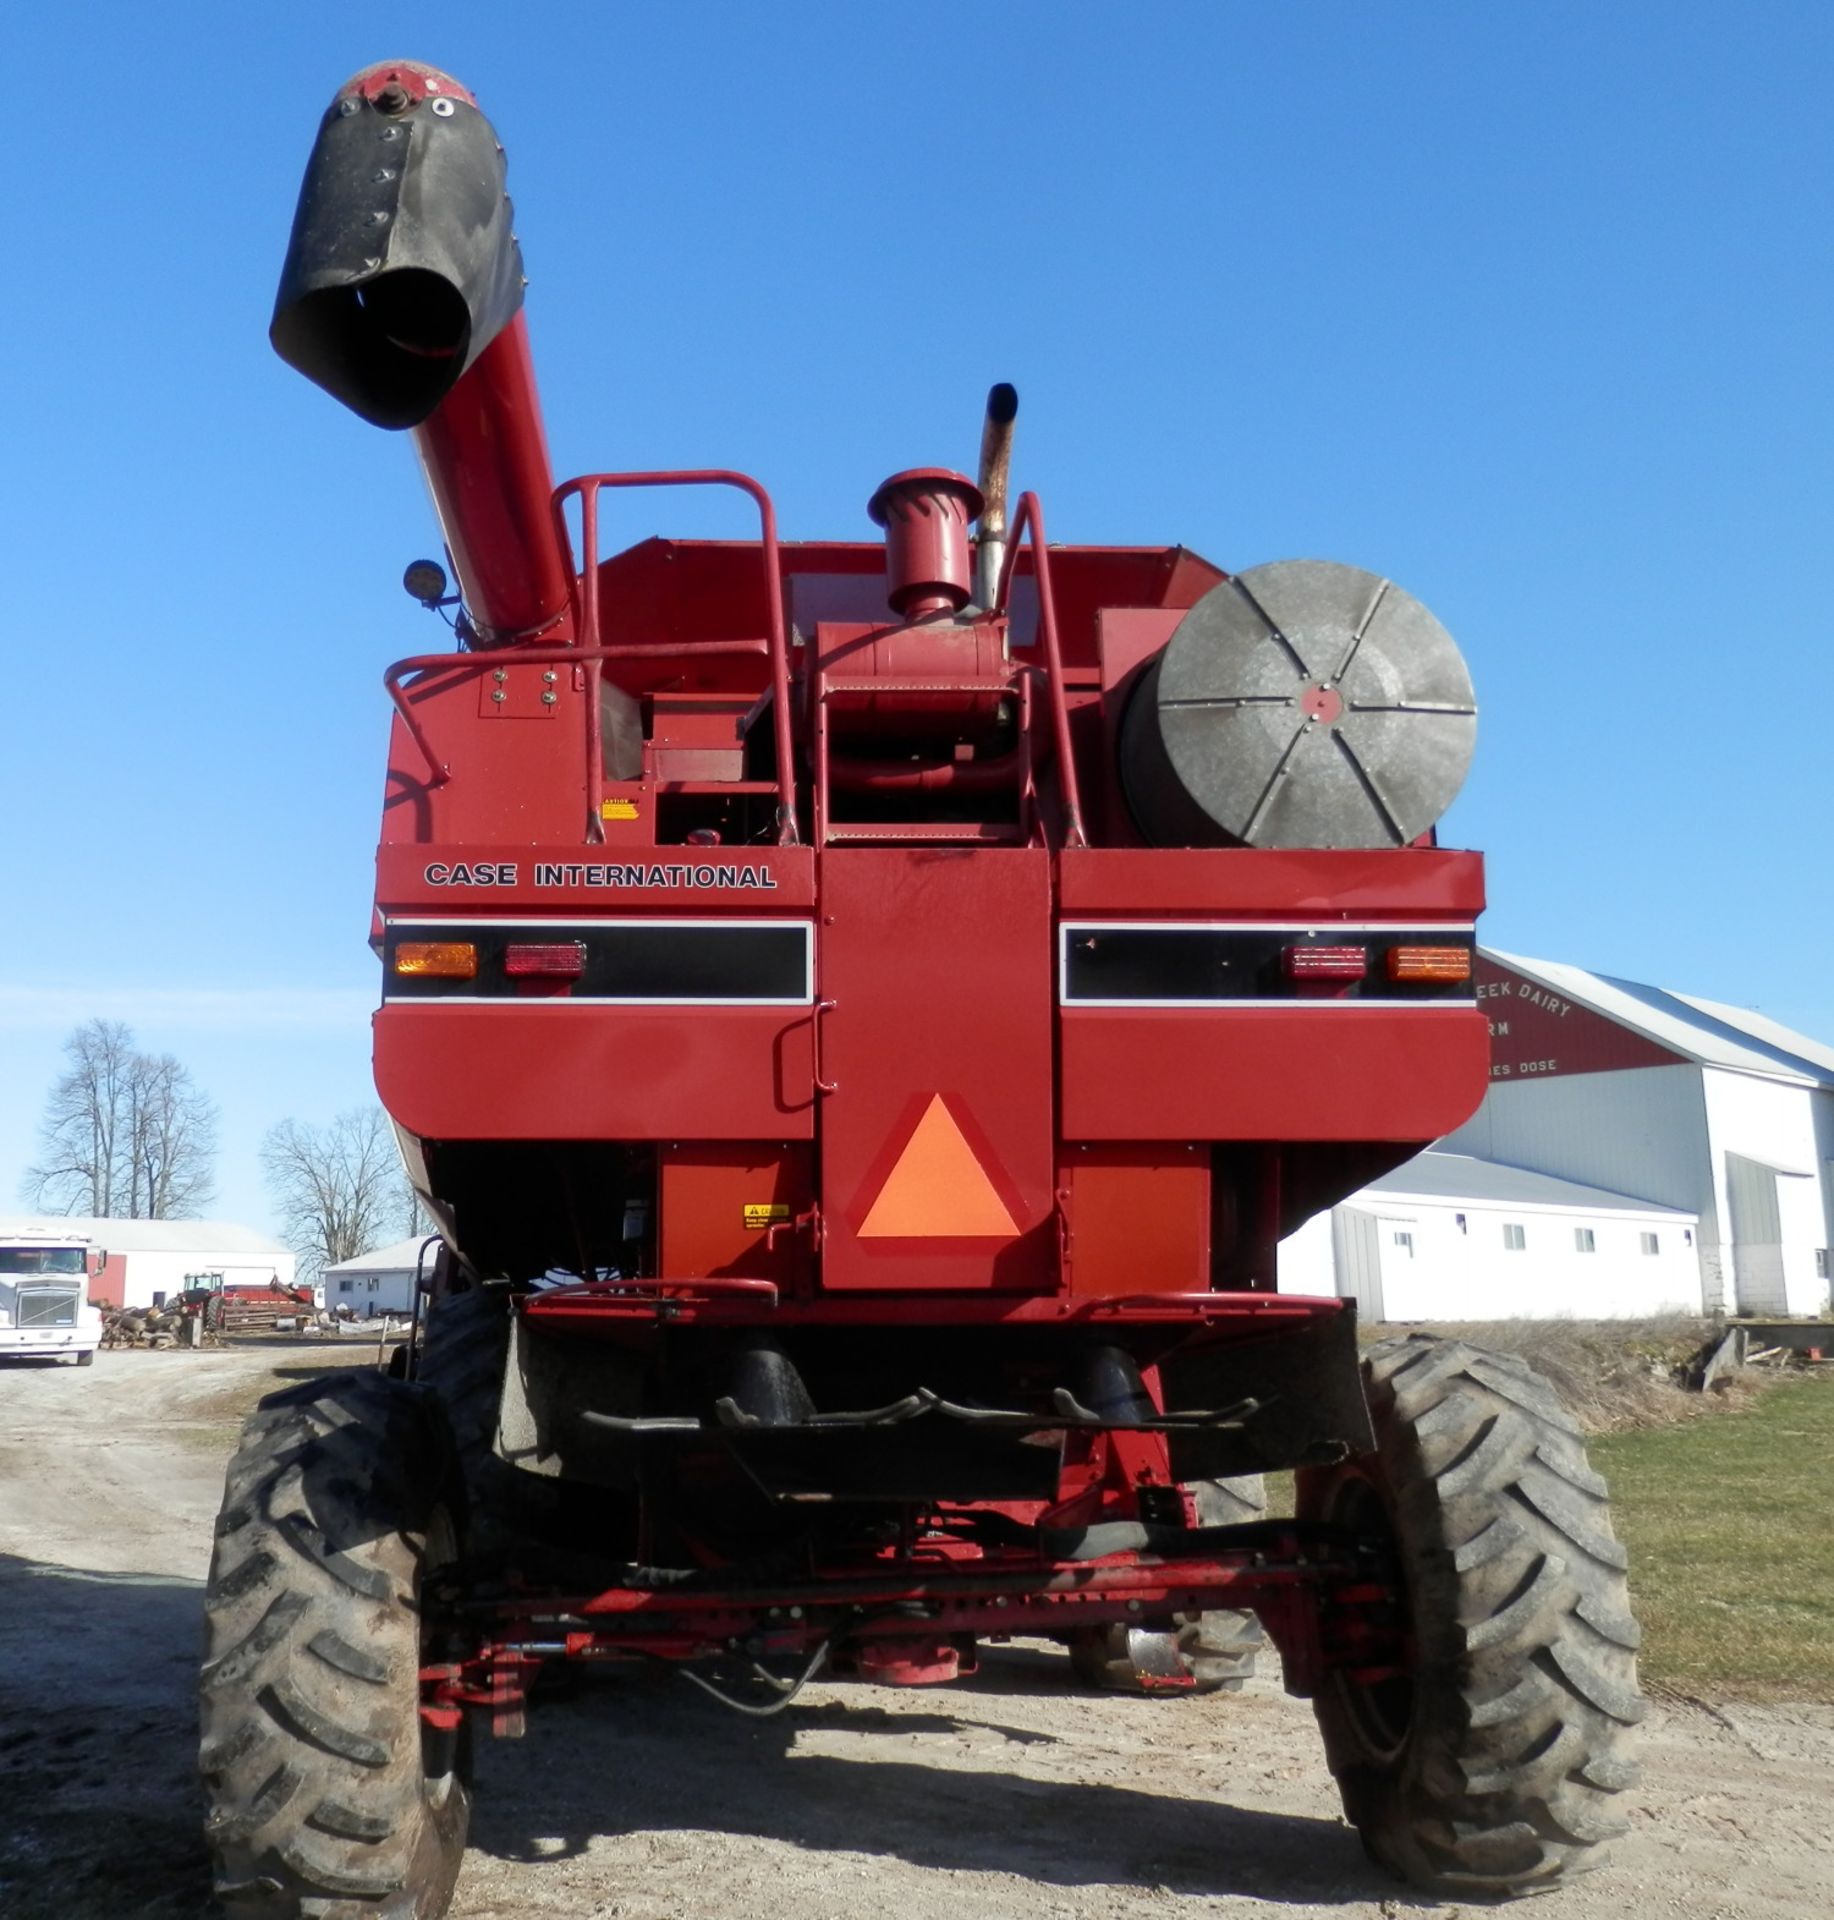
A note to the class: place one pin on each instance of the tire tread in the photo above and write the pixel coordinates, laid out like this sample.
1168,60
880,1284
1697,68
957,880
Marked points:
1510,1776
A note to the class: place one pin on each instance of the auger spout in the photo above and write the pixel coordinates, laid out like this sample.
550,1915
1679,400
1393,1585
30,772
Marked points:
402,297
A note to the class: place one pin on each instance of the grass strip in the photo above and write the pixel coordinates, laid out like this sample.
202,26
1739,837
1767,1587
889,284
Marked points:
1731,1539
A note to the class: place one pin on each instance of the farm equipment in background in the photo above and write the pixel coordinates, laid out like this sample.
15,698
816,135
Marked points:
233,1309
863,1014
211,1313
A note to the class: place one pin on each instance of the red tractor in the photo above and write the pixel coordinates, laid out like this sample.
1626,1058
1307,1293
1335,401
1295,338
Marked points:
863,1014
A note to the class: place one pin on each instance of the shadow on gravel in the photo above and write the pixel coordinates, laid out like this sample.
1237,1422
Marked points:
644,1756
103,1820
98,1746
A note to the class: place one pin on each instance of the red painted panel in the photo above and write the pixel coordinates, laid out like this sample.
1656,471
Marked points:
1347,1073
727,1208
1139,1218
108,1288
546,1071
507,781
445,879
938,965
1273,883
1538,1034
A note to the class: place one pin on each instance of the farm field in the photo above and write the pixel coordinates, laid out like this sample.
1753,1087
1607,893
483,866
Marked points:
1012,1797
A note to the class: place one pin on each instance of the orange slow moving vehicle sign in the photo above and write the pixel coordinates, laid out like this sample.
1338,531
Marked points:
938,1189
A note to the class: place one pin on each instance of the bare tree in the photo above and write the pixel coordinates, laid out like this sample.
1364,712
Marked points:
339,1190
127,1135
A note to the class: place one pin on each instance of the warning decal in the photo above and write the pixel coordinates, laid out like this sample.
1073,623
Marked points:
937,1189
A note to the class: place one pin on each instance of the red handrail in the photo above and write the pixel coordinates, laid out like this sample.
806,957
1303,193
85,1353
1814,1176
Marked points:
1028,515
587,487
525,656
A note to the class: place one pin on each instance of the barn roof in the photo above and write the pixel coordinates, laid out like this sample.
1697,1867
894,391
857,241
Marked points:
1437,1175
402,1257
148,1236
1700,1030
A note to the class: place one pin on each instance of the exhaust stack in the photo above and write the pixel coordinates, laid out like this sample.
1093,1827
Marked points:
401,296
996,468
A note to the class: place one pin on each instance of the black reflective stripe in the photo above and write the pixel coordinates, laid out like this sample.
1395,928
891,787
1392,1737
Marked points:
636,961
1156,966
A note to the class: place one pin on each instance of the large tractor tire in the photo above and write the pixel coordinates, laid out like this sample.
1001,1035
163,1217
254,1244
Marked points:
1209,1652
511,1516
1495,1766
327,1796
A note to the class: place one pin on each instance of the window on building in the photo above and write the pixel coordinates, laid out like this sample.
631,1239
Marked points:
1405,1241
1652,1243
1583,1241
1822,1266
1515,1238
343,1286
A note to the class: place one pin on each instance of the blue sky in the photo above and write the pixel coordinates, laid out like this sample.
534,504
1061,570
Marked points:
1527,307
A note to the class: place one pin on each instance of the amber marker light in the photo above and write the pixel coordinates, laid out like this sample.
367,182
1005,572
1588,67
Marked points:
1429,963
437,959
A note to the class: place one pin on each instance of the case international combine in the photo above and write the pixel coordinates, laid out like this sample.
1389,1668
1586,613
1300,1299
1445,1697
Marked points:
863,1013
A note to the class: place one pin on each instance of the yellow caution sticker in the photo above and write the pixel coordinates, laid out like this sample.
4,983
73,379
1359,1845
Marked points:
764,1213
617,809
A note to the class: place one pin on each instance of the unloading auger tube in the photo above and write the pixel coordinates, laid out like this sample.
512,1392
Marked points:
863,1015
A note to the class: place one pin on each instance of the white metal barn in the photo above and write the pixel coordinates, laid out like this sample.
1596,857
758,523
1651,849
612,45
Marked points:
378,1282
150,1260
1704,1108
1448,1237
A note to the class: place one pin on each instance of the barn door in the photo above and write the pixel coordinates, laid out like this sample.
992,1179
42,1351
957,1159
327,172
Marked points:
1757,1236
1356,1242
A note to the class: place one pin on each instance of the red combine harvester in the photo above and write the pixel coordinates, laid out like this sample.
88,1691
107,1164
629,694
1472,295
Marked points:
863,1014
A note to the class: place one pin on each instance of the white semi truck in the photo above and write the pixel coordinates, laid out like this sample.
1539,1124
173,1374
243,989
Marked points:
44,1296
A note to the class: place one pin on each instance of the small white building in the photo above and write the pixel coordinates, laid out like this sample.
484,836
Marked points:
154,1260
378,1282
1449,1237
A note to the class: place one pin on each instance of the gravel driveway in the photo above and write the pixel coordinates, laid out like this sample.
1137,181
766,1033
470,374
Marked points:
1011,1797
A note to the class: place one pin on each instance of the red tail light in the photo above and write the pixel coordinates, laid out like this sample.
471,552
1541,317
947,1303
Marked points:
1326,963
562,960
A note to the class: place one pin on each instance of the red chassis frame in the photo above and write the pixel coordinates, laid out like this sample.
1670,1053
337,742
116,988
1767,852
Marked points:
914,1613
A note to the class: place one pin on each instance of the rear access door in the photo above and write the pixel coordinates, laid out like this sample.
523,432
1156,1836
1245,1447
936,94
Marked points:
937,1138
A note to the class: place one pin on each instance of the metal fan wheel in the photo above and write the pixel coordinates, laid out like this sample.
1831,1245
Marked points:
1301,704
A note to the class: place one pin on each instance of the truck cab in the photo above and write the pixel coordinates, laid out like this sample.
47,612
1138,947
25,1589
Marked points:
44,1297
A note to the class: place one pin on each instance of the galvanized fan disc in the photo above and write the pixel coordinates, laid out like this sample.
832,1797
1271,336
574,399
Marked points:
1303,704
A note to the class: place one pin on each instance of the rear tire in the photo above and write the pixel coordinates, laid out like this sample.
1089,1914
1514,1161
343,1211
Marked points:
326,1797
463,1356
87,1358
1495,1766
1209,1652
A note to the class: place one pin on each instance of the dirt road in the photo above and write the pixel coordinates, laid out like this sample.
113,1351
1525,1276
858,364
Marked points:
1009,1798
